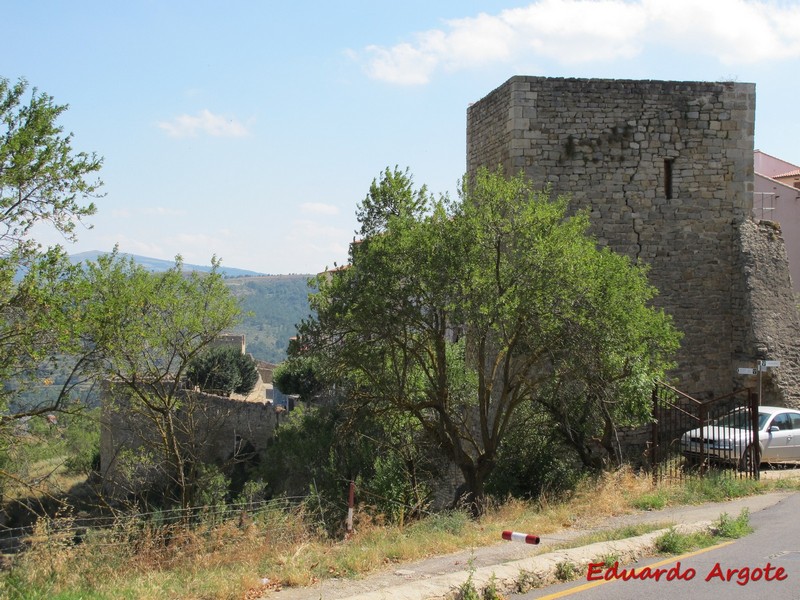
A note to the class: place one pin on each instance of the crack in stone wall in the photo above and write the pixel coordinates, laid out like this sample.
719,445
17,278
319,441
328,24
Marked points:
604,142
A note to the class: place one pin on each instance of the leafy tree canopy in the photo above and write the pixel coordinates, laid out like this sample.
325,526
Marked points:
392,197
142,331
42,180
223,370
41,177
299,375
457,313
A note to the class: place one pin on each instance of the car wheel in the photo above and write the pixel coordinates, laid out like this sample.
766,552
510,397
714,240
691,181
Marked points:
746,463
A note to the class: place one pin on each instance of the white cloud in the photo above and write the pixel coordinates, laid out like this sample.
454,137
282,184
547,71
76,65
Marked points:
581,31
734,31
469,42
403,64
576,31
318,208
205,122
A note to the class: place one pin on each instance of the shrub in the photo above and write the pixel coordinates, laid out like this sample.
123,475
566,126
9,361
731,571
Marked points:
223,371
733,528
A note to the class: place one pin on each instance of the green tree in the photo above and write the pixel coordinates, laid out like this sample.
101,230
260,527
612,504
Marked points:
41,177
298,375
458,313
223,370
393,196
145,330
43,181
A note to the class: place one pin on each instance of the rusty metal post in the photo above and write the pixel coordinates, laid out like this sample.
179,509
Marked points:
654,437
703,413
755,402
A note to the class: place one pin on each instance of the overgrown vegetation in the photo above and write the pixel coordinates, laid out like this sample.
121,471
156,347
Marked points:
567,571
675,542
488,323
284,544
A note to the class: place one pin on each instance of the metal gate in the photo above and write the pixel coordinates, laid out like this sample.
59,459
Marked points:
694,437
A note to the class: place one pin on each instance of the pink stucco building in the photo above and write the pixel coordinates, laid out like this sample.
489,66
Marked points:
777,198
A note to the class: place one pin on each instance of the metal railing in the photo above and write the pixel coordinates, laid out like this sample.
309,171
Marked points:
691,437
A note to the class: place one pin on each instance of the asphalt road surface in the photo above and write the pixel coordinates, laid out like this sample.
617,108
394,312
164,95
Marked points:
767,564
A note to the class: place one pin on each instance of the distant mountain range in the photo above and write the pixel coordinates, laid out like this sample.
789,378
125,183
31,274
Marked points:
157,265
272,305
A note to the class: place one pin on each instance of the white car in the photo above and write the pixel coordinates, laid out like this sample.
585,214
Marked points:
728,438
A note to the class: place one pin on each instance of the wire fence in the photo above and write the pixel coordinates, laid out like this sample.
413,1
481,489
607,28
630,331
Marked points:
121,528
284,515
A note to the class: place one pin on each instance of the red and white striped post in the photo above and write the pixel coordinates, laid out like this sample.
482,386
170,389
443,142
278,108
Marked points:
513,536
350,504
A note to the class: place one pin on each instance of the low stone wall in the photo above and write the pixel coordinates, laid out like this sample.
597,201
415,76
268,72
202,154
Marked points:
212,429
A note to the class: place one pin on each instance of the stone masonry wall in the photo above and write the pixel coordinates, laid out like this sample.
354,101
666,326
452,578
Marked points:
220,430
665,170
769,311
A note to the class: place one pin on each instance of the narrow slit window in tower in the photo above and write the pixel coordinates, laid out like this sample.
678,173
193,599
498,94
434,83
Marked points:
668,178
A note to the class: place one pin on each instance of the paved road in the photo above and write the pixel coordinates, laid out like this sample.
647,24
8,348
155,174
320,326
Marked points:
771,554
437,577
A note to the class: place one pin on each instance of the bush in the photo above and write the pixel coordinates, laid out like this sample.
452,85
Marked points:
733,528
223,371
82,436
531,462
322,448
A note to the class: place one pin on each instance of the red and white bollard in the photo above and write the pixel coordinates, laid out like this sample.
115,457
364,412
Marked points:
513,536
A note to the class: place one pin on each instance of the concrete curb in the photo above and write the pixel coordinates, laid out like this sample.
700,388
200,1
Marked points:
528,573
513,567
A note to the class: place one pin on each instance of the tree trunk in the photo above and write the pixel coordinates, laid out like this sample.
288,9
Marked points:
472,493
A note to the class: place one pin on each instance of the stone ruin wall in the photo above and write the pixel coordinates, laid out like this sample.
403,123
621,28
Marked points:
665,170
768,308
221,430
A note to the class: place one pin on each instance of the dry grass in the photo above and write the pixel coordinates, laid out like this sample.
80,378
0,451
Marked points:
242,558
42,478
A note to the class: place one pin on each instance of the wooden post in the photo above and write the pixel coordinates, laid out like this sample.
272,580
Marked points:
350,505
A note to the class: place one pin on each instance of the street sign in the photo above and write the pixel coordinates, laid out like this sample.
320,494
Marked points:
746,371
772,363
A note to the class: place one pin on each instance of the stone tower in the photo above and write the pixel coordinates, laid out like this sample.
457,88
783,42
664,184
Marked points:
665,170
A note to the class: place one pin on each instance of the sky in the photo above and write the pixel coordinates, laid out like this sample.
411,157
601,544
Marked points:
250,130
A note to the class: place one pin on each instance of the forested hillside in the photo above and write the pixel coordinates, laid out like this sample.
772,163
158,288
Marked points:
275,303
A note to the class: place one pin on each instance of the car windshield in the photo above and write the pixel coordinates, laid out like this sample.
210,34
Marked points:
740,419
